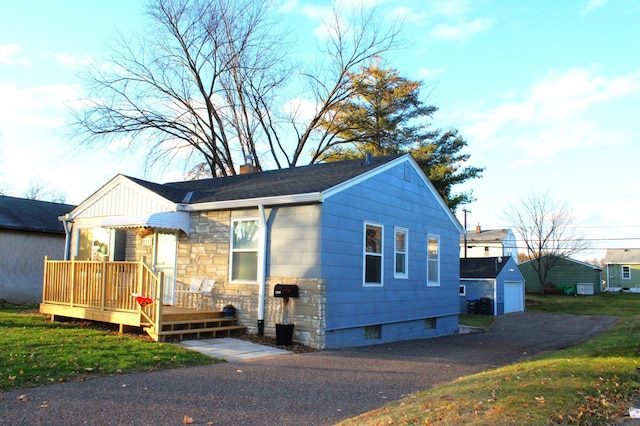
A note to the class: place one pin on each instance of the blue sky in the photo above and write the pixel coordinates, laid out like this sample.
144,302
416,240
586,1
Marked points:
546,93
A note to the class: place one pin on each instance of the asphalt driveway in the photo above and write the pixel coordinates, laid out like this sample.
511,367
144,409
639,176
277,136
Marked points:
318,388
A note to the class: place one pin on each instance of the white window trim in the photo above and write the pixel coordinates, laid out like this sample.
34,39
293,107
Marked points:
405,274
433,283
628,267
365,253
232,251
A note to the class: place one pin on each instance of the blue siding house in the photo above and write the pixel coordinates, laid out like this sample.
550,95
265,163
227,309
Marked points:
371,246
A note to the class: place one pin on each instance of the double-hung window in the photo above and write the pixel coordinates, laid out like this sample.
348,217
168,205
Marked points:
244,250
373,254
401,253
626,272
433,260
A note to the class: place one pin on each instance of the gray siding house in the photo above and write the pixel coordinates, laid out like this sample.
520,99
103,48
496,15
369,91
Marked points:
29,231
494,278
370,244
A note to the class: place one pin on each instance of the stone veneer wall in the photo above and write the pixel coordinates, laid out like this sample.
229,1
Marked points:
307,312
205,254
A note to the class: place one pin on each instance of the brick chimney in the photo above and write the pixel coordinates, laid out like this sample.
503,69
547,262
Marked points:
478,229
248,167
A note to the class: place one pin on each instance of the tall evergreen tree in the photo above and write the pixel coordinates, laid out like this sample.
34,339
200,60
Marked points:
385,115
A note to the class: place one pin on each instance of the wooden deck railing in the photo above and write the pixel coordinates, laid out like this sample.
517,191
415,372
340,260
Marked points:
103,286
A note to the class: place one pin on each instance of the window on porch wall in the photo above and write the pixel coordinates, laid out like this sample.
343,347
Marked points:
93,244
244,250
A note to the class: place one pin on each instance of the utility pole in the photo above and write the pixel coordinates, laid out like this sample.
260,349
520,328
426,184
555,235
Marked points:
465,231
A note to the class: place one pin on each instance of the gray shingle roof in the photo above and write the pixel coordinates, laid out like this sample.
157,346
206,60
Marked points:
622,256
486,236
32,215
272,183
481,267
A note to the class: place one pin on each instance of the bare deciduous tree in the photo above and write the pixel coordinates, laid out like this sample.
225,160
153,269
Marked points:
547,229
39,190
206,84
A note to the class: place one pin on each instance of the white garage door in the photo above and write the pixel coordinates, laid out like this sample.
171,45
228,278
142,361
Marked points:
513,297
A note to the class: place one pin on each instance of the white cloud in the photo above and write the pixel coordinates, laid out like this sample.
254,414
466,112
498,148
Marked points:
43,106
70,61
462,30
593,4
449,8
555,114
301,109
430,73
8,53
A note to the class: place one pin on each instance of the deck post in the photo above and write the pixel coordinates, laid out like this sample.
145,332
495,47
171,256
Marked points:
140,275
44,278
158,301
104,285
72,299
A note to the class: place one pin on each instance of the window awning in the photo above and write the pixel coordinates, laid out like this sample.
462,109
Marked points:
167,220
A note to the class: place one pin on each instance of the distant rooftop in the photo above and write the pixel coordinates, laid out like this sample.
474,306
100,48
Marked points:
479,235
32,215
482,267
622,256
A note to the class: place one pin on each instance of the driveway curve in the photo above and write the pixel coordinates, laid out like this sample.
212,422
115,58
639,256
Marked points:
319,388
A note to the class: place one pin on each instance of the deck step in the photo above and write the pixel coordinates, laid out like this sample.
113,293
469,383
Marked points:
214,330
219,321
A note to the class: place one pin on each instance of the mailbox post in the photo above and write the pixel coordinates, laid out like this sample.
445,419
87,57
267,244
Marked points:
284,330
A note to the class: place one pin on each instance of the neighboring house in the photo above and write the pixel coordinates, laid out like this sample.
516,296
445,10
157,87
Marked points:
494,278
569,275
622,270
29,231
370,244
489,243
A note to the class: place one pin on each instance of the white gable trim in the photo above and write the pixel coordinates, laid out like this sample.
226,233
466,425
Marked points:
407,158
122,196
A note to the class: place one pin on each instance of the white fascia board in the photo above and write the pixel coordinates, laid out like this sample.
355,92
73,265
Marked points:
405,158
312,197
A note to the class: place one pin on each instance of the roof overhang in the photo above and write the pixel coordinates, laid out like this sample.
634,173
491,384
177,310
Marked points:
312,197
167,220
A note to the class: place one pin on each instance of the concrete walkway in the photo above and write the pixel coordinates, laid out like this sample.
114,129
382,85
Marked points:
232,349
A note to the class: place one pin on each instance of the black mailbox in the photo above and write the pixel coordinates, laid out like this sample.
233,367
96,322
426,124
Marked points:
285,290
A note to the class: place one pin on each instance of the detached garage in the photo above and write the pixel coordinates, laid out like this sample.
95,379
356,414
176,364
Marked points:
491,285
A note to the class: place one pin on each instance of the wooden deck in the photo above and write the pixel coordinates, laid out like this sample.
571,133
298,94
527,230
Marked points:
107,291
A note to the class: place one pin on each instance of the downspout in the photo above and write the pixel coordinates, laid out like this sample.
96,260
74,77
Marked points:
262,261
67,224
495,296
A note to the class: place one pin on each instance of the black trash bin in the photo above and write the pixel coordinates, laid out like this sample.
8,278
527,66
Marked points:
486,306
472,305
284,334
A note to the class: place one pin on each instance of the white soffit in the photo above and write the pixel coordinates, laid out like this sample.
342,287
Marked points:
167,220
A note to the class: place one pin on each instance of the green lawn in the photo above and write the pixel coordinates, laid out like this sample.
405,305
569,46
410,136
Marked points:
37,352
589,384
